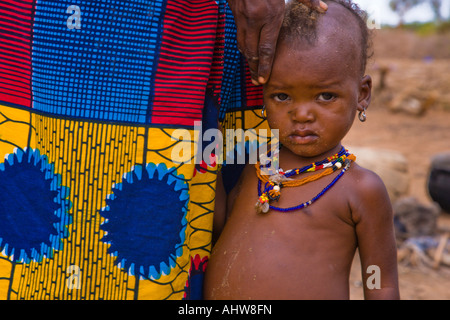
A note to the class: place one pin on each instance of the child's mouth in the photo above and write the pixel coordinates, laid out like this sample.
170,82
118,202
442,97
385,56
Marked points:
303,137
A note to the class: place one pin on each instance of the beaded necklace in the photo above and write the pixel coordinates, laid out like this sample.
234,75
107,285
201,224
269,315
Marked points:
274,183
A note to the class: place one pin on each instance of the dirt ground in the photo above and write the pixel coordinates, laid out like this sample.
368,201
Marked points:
418,138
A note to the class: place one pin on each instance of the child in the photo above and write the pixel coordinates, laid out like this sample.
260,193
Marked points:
295,248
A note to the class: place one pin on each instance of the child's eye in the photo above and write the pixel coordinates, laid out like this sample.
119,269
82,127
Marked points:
280,97
326,96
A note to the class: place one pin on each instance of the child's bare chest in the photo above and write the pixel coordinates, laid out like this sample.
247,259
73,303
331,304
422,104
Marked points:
312,243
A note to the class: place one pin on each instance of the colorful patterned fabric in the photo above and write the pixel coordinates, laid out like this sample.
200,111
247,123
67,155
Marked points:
92,203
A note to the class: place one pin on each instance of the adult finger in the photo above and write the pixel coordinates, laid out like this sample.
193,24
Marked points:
318,5
266,49
248,40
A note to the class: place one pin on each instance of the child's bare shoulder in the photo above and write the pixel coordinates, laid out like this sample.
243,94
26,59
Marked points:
365,180
367,193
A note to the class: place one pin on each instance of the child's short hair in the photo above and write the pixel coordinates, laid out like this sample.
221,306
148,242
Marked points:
300,23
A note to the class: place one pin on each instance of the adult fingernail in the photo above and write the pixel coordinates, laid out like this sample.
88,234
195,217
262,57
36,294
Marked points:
323,6
261,80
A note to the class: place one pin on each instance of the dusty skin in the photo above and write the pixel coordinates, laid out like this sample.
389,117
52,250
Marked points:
378,131
419,66
400,132
418,138
307,253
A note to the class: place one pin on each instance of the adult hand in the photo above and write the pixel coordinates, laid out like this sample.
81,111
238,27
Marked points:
258,24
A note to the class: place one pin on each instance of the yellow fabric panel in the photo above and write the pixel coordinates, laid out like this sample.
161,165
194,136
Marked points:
92,158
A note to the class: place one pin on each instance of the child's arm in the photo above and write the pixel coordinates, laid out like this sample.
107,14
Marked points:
372,213
220,208
224,202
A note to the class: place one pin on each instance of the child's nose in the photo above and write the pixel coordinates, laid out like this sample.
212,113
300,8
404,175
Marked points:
302,113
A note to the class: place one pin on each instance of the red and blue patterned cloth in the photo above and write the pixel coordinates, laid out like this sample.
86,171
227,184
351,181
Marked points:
92,204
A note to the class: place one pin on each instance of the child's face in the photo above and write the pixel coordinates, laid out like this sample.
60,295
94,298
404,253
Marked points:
313,95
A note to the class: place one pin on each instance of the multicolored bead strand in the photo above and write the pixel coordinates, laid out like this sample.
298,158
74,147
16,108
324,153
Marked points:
274,183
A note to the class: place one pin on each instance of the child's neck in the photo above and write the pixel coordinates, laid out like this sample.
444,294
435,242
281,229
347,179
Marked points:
289,160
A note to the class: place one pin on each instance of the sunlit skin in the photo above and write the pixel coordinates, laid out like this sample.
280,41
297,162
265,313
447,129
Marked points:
312,97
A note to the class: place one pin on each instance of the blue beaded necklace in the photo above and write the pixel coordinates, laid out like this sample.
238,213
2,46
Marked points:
274,184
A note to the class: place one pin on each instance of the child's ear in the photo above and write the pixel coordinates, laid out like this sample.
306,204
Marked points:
365,93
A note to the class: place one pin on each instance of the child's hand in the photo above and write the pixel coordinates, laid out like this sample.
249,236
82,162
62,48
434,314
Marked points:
258,24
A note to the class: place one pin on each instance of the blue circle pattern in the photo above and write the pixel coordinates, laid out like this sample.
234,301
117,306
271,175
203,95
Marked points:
145,220
33,207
